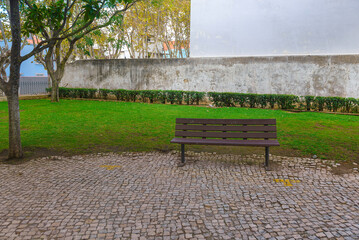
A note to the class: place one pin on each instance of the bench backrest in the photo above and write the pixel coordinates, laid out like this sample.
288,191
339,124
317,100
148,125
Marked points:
226,128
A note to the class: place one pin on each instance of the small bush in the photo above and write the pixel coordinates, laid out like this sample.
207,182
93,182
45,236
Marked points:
286,101
262,100
240,99
162,96
143,95
272,100
319,103
120,94
252,99
179,97
170,96
153,95
309,101
189,97
104,93
198,96
215,98
92,93
336,103
132,95
350,104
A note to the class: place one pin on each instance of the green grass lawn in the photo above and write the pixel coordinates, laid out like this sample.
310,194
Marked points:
75,126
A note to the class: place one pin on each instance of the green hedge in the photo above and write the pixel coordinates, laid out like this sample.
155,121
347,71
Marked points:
253,100
152,96
219,99
333,104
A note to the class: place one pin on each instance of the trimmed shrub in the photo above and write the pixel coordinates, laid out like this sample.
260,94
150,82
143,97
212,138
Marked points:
286,101
252,100
198,96
262,100
171,96
309,101
104,93
319,103
132,95
240,99
189,97
179,97
153,95
92,93
162,97
215,98
336,103
219,99
350,104
143,95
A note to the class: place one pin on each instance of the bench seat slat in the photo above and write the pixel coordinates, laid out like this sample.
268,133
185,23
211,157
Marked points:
226,134
226,142
226,121
227,128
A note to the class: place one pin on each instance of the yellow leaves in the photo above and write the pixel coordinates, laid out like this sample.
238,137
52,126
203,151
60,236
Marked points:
149,25
287,182
110,167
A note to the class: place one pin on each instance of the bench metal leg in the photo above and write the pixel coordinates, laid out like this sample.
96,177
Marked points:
267,157
182,154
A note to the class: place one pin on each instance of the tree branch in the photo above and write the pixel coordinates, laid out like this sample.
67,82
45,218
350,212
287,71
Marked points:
39,48
3,83
65,17
74,23
4,62
3,34
105,24
28,4
68,54
127,6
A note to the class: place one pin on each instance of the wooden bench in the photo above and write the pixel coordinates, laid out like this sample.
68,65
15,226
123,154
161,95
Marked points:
227,132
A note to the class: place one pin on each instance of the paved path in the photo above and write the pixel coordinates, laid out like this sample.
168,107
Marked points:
147,196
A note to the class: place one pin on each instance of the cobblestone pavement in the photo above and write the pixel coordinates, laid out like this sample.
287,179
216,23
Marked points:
147,196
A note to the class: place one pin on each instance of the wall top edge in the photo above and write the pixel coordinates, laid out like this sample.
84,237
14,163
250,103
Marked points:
318,59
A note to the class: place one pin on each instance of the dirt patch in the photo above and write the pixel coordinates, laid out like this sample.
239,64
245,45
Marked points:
344,168
31,97
320,126
31,153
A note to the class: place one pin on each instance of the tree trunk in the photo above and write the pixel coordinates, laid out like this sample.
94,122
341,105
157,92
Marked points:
55,90
15,148
12,89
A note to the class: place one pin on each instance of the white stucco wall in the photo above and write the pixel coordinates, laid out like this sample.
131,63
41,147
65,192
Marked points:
274,27
298,75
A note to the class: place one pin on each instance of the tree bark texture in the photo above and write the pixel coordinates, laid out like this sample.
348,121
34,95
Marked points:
56,70
15,148
12,87
55,90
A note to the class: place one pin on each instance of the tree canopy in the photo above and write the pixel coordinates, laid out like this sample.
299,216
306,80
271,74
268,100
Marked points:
52,24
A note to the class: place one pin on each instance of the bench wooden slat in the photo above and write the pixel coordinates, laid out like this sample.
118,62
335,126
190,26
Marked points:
227,128
227,142
226,121
225,134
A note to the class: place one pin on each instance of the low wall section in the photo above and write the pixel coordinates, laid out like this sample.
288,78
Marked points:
298,75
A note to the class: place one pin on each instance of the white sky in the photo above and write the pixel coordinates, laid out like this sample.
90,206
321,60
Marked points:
274,27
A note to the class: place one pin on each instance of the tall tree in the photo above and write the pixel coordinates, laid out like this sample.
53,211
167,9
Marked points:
66,23
49,20
151,28
11,86
150,25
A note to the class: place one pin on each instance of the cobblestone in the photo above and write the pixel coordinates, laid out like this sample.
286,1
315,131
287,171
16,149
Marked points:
148,196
